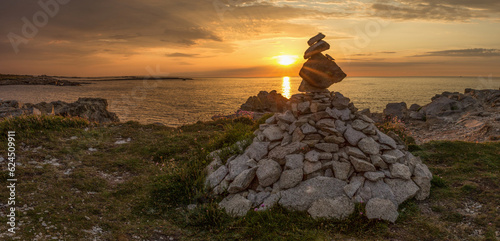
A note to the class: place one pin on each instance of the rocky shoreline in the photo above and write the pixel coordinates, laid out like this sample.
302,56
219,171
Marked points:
473,116
93,109
36,80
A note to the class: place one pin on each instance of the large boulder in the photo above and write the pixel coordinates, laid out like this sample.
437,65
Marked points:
396,110
337,208
265,102
303,195
236,206
384,209
268,172
93,109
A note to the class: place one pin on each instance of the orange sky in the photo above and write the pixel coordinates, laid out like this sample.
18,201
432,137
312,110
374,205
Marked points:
242,38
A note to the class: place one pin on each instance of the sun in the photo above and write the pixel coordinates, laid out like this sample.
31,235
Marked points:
286,59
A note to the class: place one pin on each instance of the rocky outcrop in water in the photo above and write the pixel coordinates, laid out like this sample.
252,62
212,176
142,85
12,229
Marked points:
265,102
93,109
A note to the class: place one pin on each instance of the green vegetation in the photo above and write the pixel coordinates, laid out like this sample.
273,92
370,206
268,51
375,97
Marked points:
76,183
399,128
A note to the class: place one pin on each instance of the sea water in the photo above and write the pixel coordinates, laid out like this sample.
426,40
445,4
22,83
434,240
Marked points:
175,102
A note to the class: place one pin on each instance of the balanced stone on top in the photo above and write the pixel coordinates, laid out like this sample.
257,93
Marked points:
317,48
315,39
320,71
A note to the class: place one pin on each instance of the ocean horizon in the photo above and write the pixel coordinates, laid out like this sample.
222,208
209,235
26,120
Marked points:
183,100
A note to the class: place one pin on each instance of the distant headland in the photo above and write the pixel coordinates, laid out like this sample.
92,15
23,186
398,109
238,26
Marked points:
12,79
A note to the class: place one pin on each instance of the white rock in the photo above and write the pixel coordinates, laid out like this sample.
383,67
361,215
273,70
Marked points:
269,202
279,152
236,206
389,159
327,147
303,107
303,195
359,125
364,194
399,170
326,123
353,136
384,209
381,190
402,189
341,169
340,126
325,156
312,156
353,186
287,139
369,146
355,152
258,198
377,161
395,153
268,172
257,150
294,161
273,133
221,188
310,167
291,178
271,120
361,165
237,166
336,208
374,176
422,177
287,117
242,181
213,166
308,129
385,139
216,177
329,172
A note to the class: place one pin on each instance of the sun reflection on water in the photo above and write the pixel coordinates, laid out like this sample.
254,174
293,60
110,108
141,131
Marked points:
285,89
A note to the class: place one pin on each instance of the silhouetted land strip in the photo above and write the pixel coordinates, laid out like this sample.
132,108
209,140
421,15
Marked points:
7,79
118,78
10,79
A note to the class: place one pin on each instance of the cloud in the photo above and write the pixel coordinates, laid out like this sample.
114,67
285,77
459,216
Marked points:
123,26
447,10
262,71
182,55
477,52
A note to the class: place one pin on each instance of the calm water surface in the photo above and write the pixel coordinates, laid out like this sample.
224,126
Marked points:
177,102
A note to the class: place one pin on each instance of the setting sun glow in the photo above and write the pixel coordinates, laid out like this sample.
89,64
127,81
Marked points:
286,59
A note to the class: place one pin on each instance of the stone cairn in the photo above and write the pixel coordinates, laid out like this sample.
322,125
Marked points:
320,156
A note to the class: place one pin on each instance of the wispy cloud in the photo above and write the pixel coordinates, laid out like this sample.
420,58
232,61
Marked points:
182,55
447,10
476,52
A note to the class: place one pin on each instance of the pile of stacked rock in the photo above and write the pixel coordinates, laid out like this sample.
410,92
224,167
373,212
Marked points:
321,156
